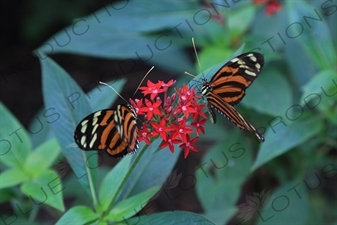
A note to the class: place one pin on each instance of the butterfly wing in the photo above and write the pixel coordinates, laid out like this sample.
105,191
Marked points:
231,113
104,130
231,80
126,124
211,112
227,88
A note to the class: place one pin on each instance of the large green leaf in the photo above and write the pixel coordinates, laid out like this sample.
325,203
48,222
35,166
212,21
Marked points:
307,25
78,215
264,36
100,97
169,218
42,158
15,144
214,131
294,56
269,94
12,177
220,176
40,128
289,204
136,35
282,138
321,48
320,91
130,206
149,168
45,189
67,102
113,182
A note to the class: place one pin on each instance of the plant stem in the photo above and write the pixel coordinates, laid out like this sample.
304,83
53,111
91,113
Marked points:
91,184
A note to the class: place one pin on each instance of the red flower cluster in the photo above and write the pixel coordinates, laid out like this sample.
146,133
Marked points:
272,6
168,118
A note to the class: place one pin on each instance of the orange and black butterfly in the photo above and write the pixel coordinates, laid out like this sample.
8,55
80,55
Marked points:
112,130
227,88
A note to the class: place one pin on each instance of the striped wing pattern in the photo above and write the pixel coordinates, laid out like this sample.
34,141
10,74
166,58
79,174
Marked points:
231,113
227,88
113,131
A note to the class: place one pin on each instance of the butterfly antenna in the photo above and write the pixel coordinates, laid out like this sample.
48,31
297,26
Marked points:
189,74
114,91
143,79
196,55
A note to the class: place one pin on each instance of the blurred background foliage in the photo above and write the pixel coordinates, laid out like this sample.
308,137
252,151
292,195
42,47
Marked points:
234,179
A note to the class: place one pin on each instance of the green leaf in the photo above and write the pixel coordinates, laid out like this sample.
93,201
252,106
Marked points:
214,131
263,35
65,99
45,189
295,55
219,215
172,56
321,48
139,29
285,137
100,97
42,158
12,177
15,143
130,206
78,215
113,182
264,94
169,218
40,127
150,167
229,160
320,91
213,55
289,204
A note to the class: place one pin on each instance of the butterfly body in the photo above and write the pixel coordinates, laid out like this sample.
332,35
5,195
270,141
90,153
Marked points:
227,88
113,131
